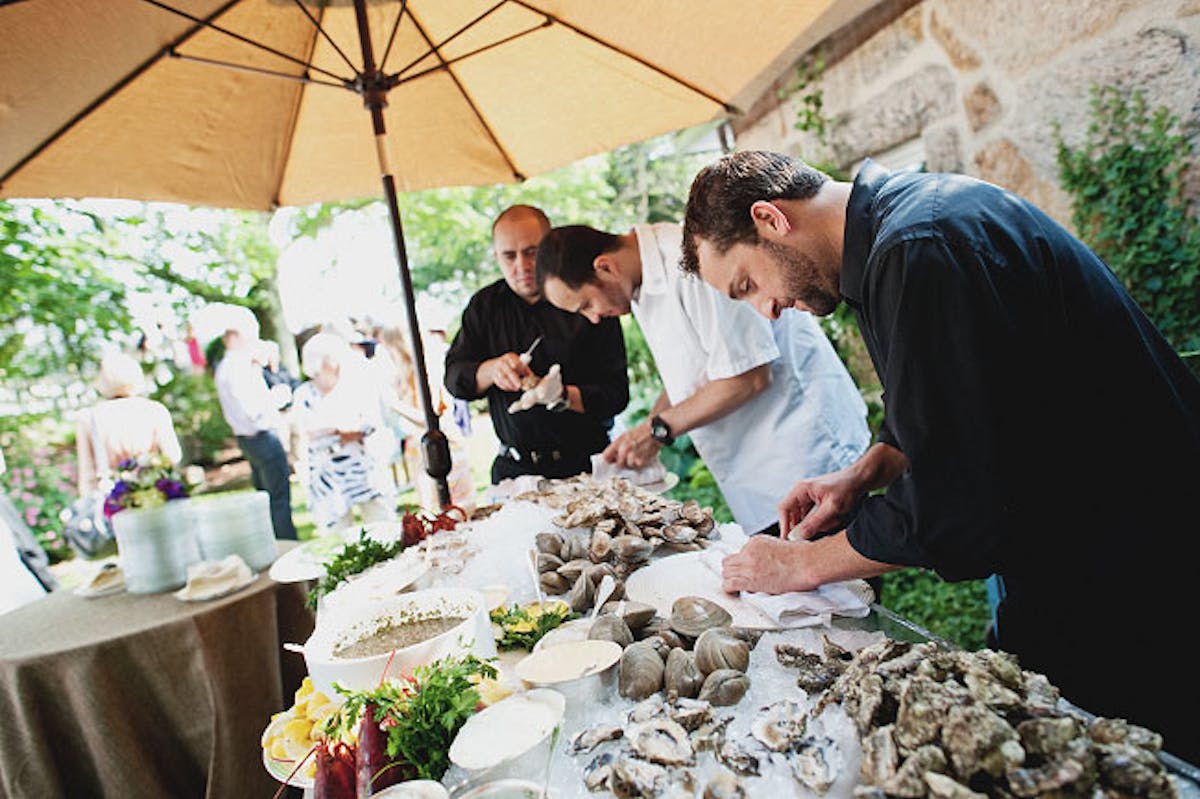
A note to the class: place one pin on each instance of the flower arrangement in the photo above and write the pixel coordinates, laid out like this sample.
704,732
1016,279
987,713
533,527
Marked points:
145,482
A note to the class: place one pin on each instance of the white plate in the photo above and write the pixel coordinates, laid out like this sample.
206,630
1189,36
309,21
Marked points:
380,582
307,561
662,581
280,769
664,485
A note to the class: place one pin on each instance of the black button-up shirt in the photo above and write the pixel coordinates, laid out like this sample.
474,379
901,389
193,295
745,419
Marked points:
591,357
1053,434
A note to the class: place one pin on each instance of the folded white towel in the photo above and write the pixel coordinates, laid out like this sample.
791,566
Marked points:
108,579
798,608
211,579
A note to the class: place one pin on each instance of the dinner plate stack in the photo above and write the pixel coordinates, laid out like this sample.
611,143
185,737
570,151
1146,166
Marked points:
155,546
235,523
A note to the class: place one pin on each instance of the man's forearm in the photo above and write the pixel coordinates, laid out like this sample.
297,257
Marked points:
715,399
880,466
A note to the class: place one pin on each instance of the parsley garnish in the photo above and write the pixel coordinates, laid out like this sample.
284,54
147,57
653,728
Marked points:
421,715
353,558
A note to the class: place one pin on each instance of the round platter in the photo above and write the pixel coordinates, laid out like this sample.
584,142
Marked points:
664,580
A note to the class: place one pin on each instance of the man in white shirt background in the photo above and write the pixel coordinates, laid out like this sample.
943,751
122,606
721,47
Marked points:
252,411
766,403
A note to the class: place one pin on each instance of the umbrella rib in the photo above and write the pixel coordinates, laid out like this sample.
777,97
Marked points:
730,108
245,40
321,31
392,37
467,97
448,62
446,41
255,70
112,90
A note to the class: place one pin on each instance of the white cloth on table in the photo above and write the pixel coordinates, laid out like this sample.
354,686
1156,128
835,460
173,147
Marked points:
649,474
795,608
809,421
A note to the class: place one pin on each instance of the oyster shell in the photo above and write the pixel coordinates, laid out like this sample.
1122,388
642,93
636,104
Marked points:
740,758
724,785
597,772
633,778
779,726
977,740
662,740
589,738
816,763
691,714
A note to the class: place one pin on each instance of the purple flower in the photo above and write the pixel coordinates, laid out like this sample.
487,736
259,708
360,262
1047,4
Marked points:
112,506
171,489
127,464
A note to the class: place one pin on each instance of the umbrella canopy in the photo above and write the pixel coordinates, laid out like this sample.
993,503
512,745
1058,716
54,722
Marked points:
259,103
125,99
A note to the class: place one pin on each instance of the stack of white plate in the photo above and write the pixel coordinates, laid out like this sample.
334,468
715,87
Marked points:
235,523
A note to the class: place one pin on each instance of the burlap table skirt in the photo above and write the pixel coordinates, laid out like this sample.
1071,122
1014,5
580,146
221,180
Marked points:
146,695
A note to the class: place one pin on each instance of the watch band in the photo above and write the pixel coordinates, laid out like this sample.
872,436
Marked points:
660,431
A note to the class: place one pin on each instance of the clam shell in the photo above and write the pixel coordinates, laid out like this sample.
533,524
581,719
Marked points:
550,543
641,671
631,549
554,583
573,568
547,562
720,648
681,676
609,627
724,687
582,595
600,548
635,614
692,615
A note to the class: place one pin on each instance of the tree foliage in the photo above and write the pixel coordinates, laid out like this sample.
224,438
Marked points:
1127,180
58,299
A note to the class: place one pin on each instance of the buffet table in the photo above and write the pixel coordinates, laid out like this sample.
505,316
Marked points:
146,695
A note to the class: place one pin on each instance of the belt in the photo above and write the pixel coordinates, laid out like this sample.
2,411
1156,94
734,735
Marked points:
533,456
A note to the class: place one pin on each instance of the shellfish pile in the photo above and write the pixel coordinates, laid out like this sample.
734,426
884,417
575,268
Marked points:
960,725
609,527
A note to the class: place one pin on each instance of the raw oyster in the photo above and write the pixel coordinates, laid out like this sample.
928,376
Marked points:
632,778
740,758
597,772
724,785
589,738
779,726
661,740
816,763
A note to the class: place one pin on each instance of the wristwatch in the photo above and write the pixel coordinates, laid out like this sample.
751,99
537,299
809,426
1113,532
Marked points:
660,431
559,405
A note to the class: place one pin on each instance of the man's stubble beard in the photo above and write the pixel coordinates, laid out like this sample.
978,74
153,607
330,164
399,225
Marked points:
802,280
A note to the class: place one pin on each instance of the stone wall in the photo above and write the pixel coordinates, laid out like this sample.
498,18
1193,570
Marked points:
982,83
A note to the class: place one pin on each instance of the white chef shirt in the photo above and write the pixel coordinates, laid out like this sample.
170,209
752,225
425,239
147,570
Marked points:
809,421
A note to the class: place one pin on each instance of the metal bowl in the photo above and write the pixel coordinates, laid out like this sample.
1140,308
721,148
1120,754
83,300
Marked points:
502,789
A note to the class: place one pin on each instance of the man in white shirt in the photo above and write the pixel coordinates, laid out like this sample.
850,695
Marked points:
252,411
766,403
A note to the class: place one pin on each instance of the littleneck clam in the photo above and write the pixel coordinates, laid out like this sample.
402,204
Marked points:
610,627
682,677
641,671
635,614
719,648
724,687
692,615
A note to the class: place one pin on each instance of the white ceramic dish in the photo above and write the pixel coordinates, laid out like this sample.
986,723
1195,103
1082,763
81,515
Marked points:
307,561
512,735
566,633
282,770
380,583
473,634
413,789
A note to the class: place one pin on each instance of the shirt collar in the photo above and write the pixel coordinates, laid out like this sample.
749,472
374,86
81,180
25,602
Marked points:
860,227
654,275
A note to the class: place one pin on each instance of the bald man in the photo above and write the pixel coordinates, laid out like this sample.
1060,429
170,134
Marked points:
554,430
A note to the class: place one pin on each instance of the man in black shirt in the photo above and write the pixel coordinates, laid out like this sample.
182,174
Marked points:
557,435
1037,425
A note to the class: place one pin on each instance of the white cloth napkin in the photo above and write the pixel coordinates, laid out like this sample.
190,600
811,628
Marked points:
211,579
108,579
653,473
796,608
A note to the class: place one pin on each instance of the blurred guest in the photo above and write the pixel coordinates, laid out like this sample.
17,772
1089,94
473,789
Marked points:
252,411
122,425
335,414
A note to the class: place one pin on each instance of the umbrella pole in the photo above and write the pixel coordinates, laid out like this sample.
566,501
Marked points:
435,447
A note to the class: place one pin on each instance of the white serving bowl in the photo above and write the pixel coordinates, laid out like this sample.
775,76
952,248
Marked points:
334,630
510,738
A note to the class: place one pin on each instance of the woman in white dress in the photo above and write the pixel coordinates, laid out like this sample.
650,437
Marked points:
335,411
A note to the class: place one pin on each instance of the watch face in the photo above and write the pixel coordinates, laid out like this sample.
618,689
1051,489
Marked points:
659,430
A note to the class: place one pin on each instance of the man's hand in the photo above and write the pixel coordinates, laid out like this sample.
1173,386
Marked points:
548,391
768,565
505,372
820,504
633,449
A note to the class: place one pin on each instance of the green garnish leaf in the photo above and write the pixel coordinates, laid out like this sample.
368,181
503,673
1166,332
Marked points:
353,558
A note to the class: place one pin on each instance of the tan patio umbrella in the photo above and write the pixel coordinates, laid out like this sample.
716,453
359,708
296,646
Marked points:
260,103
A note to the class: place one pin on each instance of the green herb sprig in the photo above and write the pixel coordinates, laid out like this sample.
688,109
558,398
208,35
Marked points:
521,629
353,558
422,714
